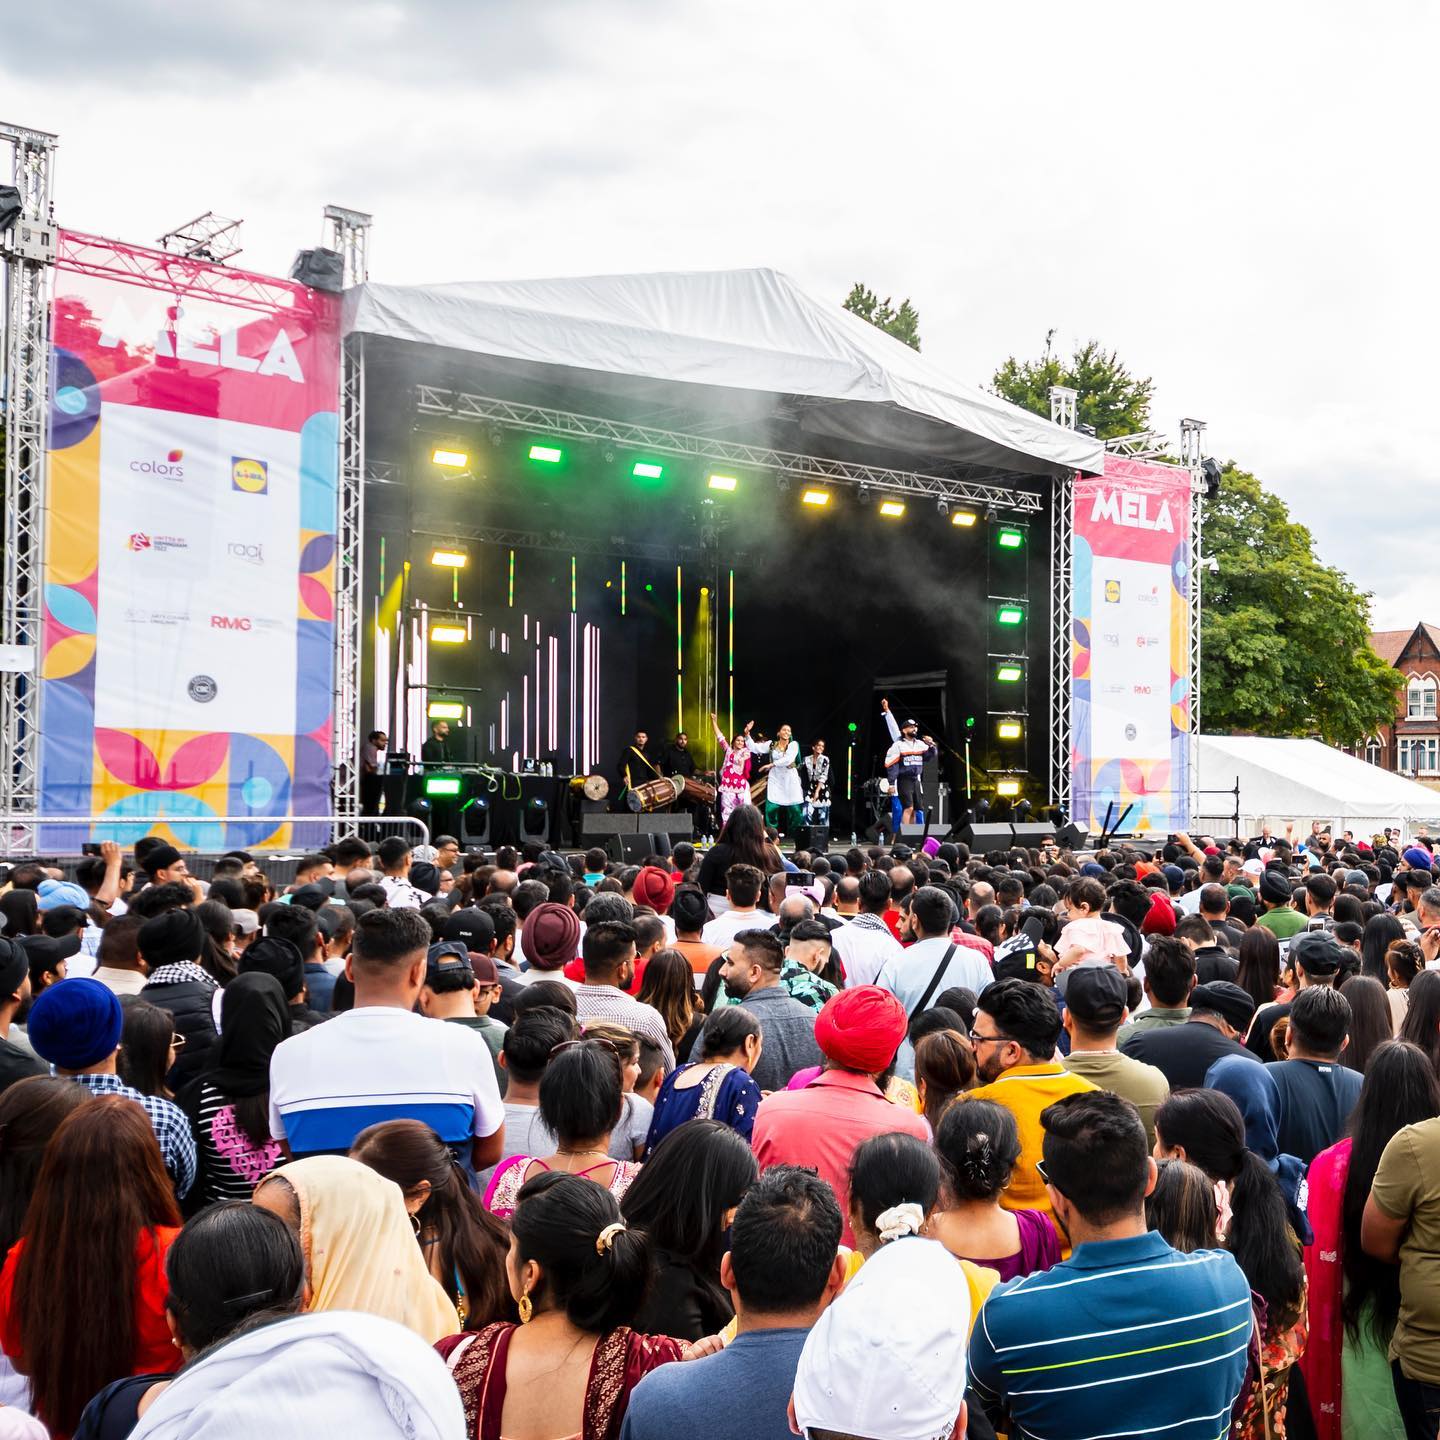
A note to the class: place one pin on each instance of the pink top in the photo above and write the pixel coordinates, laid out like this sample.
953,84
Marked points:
1099,939
822,1125
735,772
510,1175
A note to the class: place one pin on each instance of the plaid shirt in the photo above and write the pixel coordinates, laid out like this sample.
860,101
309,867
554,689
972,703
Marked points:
172,1129
804,985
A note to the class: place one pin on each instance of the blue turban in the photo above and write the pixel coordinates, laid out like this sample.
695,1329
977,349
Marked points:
62,892
1090,868
76,1023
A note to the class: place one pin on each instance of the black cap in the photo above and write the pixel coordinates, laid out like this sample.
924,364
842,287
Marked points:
1096,995
14,966
280,958
311,897
473,928
449,957
1227,1000
1276,887
1317,952
909,724
162,857
425,877
48,949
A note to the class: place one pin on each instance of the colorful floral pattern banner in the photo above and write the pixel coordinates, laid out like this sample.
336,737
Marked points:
1129,648
186,649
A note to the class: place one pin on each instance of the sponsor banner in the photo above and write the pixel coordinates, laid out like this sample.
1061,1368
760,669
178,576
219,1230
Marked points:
189,586
1130,645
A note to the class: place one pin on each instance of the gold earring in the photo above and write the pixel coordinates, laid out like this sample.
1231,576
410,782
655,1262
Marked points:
526,1309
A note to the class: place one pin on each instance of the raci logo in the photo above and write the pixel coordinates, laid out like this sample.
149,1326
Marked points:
169,468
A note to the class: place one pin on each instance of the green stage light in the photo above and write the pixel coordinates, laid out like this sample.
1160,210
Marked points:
649,589
1008,674
1009,615
1010,538
546,454
442,784
647,470
969,722
852,727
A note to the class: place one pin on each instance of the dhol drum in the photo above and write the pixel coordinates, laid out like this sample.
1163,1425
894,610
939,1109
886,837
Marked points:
654,794
699,792
596,787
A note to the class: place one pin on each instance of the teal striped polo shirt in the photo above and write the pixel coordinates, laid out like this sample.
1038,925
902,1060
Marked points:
1127,1338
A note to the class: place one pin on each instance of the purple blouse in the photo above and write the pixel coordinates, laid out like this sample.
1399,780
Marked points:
1039,1247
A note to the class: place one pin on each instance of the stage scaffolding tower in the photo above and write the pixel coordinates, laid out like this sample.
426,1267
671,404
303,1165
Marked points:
348,233
1062,538
27,252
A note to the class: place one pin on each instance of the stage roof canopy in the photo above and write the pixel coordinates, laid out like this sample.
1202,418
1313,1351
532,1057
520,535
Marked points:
1295,779
729,350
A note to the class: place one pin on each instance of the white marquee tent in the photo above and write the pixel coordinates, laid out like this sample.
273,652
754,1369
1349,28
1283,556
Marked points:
750,338
1303,780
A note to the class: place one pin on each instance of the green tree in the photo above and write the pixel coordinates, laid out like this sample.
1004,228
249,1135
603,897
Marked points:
1111,401
903,324
1284,639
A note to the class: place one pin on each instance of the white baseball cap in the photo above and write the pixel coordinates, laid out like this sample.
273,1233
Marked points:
1254,867
887,1359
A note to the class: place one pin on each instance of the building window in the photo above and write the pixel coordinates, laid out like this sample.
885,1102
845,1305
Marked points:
1418,756
1420,698
1373,752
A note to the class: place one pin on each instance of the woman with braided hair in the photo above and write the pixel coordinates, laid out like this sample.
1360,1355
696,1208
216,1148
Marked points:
978,1144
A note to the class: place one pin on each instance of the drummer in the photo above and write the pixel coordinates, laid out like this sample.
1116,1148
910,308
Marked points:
636,766
679,759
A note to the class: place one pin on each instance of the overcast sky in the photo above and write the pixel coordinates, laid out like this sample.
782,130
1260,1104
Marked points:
1240,198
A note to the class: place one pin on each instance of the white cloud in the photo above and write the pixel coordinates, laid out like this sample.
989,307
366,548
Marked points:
1237,198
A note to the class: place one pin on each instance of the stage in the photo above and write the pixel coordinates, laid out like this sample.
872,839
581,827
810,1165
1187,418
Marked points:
556,557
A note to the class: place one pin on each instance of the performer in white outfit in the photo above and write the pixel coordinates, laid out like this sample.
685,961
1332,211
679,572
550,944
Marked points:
783,793
905,761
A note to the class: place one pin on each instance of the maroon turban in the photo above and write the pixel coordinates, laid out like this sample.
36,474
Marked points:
861,1029
550,936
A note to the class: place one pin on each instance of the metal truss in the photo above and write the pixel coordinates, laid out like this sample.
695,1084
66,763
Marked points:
206,237
1197,524
1142,445
90,255
1063,401
1062,541
348,232
457,405
25,384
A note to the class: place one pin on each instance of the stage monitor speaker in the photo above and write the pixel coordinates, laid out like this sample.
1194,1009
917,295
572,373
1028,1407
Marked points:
918,830
681,826
594,828
1071,837
1028,834
636,849
814,838
984,838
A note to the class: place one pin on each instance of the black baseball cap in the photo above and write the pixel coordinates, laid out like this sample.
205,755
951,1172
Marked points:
1096,995
473,928
448,957
48,949
14,967
1317,952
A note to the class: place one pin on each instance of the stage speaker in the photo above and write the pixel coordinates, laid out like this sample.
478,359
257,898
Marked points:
1028,833
678,825
983,838
814,838
1071,837
917,830
636,849
595,828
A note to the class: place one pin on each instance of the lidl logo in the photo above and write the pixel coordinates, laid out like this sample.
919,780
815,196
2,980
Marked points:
1112,592
250,476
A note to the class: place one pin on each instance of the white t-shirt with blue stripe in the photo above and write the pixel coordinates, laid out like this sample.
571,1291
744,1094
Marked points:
381,1063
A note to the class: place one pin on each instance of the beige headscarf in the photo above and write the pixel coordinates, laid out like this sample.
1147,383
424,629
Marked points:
360,1249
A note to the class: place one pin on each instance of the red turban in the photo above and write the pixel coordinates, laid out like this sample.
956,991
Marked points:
1161,919
861,1029
655,888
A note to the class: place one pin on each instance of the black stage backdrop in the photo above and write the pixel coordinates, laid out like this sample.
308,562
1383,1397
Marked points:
832,606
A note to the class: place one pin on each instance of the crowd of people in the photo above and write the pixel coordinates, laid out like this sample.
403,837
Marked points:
878,1143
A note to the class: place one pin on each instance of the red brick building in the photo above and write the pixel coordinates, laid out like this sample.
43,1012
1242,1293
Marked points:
1410,746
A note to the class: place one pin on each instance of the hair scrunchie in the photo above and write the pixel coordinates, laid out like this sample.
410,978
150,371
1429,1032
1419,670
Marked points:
899,1220
607,1236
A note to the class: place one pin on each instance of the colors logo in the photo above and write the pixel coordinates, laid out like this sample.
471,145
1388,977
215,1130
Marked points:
169,467
250,476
